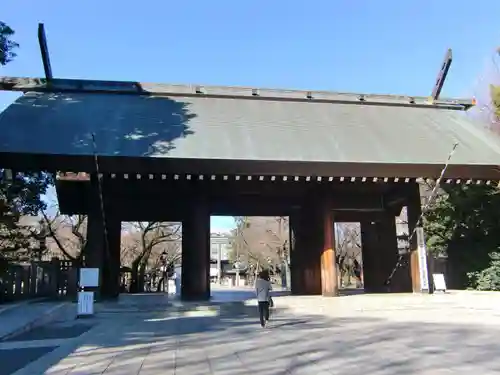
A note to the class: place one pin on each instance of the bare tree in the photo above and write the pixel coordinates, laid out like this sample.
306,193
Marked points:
152,235
260,242
67,235
130,247
486,91
278,239
243,248
348,248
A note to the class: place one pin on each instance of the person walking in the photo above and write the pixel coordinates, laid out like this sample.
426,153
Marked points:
262,290
357,273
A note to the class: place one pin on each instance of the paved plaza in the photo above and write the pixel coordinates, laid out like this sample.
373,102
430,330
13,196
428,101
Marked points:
455,333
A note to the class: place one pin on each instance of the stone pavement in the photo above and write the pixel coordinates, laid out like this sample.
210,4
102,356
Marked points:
377,334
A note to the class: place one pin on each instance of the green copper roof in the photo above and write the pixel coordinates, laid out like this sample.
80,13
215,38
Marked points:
238,128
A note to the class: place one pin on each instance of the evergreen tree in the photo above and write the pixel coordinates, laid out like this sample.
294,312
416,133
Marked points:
7,45
489,278
464,224
20,193
20,196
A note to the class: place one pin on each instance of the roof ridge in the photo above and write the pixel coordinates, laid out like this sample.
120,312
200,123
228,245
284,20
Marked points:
28,84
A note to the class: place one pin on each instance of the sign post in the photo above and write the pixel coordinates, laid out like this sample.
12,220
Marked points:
439,282
89,278
85,304
423,267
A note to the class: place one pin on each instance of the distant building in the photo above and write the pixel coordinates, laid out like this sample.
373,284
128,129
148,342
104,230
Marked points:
220,247
220,242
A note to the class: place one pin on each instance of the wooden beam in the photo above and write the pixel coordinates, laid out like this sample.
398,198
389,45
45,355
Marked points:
25,84
146,165
357,216
443,72
42,40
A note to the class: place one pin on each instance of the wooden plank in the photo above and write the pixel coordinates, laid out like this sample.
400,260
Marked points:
44,50
443,72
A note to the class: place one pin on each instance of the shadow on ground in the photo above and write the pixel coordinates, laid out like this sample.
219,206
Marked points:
55,331
229,335
13,359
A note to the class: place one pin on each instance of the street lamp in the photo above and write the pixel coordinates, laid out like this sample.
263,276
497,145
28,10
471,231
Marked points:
163,258
237,266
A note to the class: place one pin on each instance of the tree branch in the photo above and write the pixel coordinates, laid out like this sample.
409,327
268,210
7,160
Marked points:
55,237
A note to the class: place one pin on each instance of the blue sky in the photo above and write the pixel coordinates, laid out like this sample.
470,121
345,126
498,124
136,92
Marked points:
359,46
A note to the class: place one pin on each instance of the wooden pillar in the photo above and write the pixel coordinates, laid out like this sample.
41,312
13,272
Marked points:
55,277
369,248
329,279
94,247
103,252
195,277
413,212
313,265
111,270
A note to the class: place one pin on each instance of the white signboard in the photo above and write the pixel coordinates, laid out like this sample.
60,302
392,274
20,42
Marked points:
172,288
89,277
439,282
422,260
85,303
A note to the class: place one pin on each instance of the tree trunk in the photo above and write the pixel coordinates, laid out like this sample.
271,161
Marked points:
288,275
79,259
135,284
138,271
142,273
256,271
159,287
